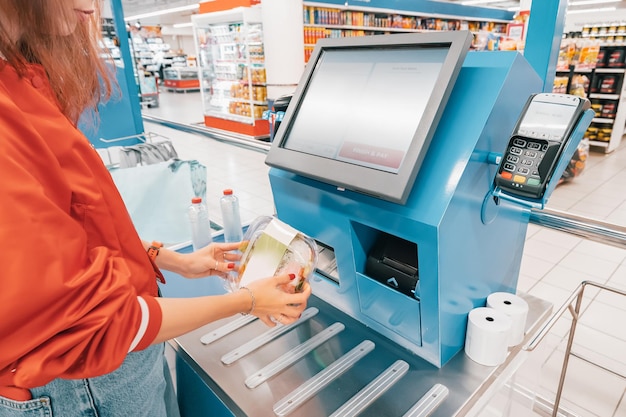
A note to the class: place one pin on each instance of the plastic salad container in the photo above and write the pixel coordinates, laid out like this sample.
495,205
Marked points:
271,247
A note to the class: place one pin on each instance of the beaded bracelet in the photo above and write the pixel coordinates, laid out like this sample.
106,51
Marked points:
253,300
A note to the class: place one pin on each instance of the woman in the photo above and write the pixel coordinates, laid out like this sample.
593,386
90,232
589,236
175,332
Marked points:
82,326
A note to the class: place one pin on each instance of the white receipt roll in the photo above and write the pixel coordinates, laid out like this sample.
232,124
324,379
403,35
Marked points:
487,337
516,308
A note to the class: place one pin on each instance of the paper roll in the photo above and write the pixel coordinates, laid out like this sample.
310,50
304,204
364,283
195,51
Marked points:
516,308
486,341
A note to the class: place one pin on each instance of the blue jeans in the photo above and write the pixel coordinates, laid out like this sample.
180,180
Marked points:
141,387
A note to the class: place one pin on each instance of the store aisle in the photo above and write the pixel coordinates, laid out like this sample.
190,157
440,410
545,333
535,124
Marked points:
553,264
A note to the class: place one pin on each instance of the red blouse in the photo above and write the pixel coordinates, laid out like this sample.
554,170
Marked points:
77,289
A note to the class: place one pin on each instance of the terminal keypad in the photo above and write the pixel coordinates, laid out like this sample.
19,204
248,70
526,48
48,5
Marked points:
521,165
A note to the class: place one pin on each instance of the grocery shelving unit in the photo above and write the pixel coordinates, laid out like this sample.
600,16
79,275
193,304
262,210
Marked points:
233,81
599,76
322,20
613,32
608,125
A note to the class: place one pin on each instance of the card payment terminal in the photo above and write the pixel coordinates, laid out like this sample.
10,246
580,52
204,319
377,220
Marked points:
538,140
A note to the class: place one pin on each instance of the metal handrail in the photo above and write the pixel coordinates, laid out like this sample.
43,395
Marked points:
142,137
592,229
222,135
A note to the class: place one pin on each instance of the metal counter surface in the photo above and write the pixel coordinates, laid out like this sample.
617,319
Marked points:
469,384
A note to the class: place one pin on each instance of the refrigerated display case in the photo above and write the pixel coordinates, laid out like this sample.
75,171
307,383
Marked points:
181,79
231,55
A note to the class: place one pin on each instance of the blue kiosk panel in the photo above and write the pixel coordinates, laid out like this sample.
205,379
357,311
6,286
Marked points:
467,246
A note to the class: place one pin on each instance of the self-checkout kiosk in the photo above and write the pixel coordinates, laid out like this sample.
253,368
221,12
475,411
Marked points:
386,159
387,156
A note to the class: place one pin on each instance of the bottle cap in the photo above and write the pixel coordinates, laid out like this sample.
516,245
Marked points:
196,200
228,191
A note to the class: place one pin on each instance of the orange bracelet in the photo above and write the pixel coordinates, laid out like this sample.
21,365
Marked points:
153,250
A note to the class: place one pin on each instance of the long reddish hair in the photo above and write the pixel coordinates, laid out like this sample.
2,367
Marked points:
73,59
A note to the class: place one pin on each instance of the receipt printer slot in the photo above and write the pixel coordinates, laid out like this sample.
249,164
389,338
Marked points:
393,261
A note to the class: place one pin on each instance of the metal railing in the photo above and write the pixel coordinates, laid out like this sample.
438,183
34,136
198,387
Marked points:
592,229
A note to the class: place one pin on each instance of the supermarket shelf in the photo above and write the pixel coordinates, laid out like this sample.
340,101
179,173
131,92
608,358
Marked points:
611,70
602,120
604,96
599,144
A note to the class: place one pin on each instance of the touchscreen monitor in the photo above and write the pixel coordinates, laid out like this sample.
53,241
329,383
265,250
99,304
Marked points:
366,109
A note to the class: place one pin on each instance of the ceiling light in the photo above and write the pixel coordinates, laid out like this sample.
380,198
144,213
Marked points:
182,25
599,9
162,12
587,2
473,2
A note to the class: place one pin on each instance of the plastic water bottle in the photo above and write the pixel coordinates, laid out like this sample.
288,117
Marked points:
229,205
200,225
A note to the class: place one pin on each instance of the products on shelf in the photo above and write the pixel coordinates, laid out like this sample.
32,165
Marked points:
604,109
592,133
328,22
246,109
577,163
598,134
567,53
611,32
605,83
604,134
597,108
588,55
242,91
314,15
616,58
580,53
608,110
560,84
579,85
601,81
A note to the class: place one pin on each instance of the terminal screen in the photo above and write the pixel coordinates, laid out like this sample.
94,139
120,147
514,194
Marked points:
548,118
363,106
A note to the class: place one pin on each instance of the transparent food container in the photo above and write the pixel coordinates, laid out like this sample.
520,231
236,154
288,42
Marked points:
271,247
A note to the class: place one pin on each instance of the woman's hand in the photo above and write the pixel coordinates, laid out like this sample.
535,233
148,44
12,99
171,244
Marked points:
272,304
214,259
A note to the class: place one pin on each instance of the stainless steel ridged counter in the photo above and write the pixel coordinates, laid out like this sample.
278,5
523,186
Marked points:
328,364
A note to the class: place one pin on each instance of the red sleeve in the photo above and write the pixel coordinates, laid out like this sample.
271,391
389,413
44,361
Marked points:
69,306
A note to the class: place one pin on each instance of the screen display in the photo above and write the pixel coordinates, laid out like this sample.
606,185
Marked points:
550,118
366,109
363,106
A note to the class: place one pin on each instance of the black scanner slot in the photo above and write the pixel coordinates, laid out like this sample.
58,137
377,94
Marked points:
393,262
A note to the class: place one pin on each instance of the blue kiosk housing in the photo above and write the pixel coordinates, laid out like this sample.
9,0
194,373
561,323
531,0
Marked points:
467,246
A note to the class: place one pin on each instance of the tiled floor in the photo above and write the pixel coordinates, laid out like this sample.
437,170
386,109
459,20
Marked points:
553,264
